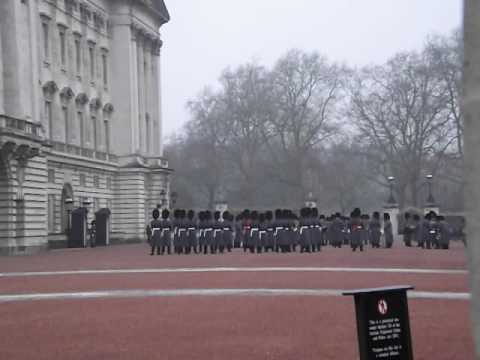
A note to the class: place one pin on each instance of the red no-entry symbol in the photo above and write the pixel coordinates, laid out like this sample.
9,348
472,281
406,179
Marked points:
382,307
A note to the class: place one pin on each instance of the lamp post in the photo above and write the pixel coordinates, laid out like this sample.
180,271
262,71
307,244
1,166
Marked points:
391,199
173,198
430,198
163,201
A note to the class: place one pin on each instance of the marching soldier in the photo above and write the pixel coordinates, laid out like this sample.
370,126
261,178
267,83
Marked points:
387,230
431,238
202,241
316,231
191,225
375,230
217,232
183,232
324,228
304,230
345,230
254,239
209,242
238,232
246,226
227,232
262,226
165,232
279,231
155,228
356,229
270,239
176,233
336,231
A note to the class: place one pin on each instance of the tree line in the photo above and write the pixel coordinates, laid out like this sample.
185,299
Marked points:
312,128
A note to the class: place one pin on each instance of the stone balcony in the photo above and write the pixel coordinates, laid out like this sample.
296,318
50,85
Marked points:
84,152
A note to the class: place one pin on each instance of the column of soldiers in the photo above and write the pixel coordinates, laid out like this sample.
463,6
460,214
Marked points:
431,232
284,231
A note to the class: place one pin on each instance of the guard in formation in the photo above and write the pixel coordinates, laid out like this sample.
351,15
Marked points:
258,232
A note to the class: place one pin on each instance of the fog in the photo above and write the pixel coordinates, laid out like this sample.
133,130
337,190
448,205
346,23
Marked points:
204,37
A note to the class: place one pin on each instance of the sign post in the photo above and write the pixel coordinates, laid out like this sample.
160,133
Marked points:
383,324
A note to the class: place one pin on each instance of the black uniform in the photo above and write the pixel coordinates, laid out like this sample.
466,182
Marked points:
375,230
153,232
356,229
387,230
191,225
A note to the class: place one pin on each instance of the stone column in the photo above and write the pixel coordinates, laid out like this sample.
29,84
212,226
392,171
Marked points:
129,204
2,91
157,100
141,92
471,102
133,90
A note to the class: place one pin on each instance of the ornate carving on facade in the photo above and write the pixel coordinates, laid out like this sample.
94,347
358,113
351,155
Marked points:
50,87
71,6
108,108
95,104
157,46
66,94
85,12
81,99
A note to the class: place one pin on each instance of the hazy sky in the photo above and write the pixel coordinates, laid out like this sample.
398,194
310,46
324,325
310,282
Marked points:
206,36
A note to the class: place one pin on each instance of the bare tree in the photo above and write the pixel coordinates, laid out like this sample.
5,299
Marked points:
400,113
306,90
247,105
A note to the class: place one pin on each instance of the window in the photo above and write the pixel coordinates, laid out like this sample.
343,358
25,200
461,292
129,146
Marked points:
105,69
46,47
63,56
83,180
48,118
109,182
78,55
80,128
91,53
51,176
65,121
96,181
51,213
94,132
107,136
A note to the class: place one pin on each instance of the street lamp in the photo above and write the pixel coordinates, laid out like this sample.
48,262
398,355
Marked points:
391,199
173,198
430,198
162,198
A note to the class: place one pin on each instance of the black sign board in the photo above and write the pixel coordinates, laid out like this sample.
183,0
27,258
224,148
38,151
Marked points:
382,323
78,232
102,219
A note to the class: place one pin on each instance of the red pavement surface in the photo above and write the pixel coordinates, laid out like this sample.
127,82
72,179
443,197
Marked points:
229,327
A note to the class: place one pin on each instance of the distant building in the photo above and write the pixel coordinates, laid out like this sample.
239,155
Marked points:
80,117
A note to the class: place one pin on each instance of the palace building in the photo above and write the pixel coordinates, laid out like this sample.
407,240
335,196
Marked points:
80,118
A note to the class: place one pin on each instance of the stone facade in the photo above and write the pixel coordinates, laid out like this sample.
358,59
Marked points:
80,117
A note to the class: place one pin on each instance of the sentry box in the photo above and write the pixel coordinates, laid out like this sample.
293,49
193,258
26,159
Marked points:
383,324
